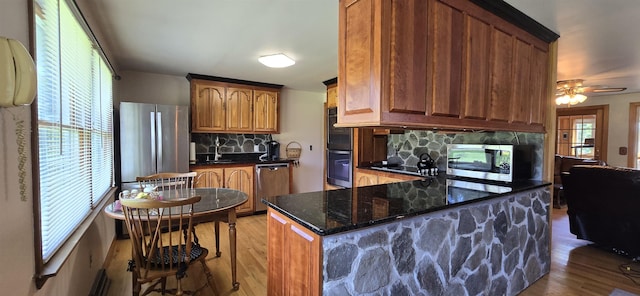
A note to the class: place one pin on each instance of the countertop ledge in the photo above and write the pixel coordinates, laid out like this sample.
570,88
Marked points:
335,211
236,162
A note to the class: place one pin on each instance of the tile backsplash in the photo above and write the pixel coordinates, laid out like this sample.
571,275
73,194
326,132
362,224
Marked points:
413,143
230,143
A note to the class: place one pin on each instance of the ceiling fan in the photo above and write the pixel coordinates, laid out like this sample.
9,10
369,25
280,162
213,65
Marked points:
571,92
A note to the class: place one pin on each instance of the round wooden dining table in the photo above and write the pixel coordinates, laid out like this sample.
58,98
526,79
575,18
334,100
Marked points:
215,205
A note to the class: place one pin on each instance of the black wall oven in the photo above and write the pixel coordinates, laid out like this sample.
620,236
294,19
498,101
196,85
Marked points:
339,152
339,168
338,138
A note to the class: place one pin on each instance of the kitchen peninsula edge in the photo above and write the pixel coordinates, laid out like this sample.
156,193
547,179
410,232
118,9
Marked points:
435,236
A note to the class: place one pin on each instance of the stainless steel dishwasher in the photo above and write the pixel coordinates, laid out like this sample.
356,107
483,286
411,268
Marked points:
271,179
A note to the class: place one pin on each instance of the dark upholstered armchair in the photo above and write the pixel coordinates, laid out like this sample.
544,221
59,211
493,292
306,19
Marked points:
603,204
563,164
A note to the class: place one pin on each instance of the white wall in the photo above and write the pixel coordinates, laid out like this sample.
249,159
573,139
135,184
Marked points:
153,88
618,123
302,120
16,216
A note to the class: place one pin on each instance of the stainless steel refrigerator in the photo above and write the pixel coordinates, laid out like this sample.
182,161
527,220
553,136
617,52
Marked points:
153,139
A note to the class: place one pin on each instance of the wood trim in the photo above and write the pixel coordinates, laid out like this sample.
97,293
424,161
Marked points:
518,18
191,76
632,150
550,125
602,124
331,81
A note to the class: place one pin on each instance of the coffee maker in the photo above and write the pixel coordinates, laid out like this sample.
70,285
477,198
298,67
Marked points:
273,150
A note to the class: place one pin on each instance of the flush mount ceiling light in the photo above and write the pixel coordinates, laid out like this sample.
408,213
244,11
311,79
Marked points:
276,60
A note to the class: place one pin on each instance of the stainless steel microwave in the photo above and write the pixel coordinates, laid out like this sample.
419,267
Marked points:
490,162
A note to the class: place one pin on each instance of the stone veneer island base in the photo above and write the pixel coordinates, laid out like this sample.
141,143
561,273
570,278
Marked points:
496,246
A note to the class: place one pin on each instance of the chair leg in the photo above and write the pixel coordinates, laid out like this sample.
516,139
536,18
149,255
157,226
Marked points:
135,285
210,281
179,287
216,230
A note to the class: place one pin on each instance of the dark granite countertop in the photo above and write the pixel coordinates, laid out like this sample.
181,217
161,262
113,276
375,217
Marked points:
239,161
334,211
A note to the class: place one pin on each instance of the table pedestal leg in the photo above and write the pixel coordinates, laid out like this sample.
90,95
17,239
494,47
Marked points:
232,246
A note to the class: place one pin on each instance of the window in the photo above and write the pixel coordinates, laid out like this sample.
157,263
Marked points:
577,134
75,126
582,131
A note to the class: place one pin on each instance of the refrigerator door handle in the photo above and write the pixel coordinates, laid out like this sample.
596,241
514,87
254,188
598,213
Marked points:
152,132
159,140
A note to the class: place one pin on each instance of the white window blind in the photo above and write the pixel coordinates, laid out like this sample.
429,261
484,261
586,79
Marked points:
75,133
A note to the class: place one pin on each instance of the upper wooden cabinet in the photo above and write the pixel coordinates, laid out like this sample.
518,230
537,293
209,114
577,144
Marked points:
440,64
239,109
207,107
332,92
223,105
265,111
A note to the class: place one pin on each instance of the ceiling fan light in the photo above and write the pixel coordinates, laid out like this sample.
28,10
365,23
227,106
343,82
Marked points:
279,60
580,98
562,100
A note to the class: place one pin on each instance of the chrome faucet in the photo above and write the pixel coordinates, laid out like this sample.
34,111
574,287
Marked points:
216,157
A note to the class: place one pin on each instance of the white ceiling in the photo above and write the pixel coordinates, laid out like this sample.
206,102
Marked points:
598,39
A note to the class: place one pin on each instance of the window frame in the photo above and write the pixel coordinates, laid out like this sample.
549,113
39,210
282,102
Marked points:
634,120
45,270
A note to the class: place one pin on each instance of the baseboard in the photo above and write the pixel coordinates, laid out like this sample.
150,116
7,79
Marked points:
101,284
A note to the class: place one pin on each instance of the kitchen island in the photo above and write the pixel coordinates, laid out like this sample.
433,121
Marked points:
435,236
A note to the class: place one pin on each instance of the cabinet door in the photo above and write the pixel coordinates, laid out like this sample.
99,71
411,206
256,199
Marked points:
207,107
408,56
294,258
265,110
445,59
359,61
239,109
502,76
538,83
209,177
476,66
521,97
241,178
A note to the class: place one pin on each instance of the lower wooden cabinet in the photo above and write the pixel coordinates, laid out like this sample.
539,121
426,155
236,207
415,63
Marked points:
366,177
209,177
239,178
293,258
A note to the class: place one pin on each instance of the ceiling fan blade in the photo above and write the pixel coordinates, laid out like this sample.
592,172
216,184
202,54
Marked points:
602,89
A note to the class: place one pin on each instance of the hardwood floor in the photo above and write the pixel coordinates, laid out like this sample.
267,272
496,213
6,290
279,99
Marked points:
580,269
577,268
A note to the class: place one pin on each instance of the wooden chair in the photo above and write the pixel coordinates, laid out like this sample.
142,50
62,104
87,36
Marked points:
170,182
167,181
158,254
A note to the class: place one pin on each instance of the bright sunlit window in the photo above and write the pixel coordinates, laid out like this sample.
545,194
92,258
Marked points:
75,125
